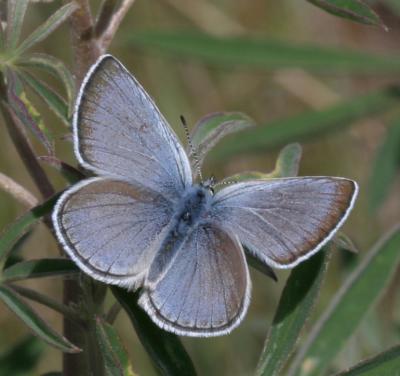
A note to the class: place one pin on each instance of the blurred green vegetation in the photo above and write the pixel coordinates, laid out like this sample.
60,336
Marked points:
336,103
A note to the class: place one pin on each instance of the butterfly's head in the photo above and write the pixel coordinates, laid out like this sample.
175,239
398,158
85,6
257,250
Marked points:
209,183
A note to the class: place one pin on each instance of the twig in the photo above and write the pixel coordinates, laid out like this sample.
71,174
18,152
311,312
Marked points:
16,190
85,48
104,17
112,24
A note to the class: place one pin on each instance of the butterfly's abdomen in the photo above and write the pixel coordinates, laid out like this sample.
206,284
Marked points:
189,212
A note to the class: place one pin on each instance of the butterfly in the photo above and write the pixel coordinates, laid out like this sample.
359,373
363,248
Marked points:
144,221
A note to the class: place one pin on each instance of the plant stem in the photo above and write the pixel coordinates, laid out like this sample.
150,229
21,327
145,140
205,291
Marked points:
85,52
16,190
22,145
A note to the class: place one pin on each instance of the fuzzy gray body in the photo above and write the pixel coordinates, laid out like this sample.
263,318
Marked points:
190,212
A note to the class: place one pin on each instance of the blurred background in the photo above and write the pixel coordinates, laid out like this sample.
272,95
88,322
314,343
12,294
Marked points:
273,93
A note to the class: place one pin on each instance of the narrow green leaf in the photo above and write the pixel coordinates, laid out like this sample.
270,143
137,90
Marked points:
44,30
68,312
22,225
355,10
296,303
39,269
22,358
50,97
343,242
268,54
385,363
34,322
116,361
263,268
15,18
288,162
26,113
55,67
165,349
287,165
385,167
308,124
213,127
356,296
70,173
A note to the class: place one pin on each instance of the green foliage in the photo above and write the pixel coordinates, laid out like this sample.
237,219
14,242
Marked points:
348,307
267,54
115,358
34,322
308,124
385,363
213,128
355,10
21,359
235,133
297,300
386,166
165,349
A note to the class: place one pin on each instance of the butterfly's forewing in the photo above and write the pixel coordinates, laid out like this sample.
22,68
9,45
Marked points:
284,221
205,291
120,132
109,228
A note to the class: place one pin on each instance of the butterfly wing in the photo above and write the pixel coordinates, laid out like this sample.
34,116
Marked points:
119,132
110,228
205,291
284,221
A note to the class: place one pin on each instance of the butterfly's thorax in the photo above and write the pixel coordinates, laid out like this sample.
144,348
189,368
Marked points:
190,211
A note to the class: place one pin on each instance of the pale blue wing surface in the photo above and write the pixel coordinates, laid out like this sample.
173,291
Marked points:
284,221
110,228
205,290
120,132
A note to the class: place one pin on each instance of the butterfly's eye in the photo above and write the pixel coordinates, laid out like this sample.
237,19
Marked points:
200,194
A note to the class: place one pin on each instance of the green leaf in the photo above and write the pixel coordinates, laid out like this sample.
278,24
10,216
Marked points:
355,10
70,173
263,268
268,54
55,67
22,225
44,30
308,124
25,112
385,167
22,358
39,269
165,349
15,18
356,296
116,361
296,303
287,165
343,242
50,97
34,322
288,162
213,127
385,363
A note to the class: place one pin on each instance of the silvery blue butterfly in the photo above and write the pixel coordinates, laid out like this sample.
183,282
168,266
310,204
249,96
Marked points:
144,222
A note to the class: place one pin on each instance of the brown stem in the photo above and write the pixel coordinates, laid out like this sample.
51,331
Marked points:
23,146
19,192
85,51
108,26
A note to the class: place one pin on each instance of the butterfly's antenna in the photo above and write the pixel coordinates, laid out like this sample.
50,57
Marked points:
192,150
225,182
